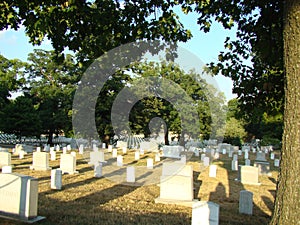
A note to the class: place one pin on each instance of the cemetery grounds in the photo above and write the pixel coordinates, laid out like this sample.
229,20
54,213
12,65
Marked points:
85,199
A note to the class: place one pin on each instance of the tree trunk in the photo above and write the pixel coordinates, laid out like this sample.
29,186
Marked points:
166,136
287,201
50,138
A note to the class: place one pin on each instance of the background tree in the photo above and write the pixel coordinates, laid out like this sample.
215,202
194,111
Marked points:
20,117
52,86
11,78
163,103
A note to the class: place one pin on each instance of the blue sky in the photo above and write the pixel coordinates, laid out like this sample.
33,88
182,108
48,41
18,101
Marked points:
14,44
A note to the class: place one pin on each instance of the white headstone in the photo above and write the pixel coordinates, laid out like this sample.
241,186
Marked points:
223,151
124,150
239,152
130,171
19,195
272,156
202,157
157,157
205,213
5,159
235,157
40,161
206,161
57,148
249,175
246,156
110,147
81,149
38,149
136,155
6,169
21,154
73,154
68,164
52,155
230,153
98,169
56,179
142,151
68,147
177,182
246,202
276,162
64,150
96,157
114,153
119,160
247,162
234,165
212,170
103,145
149,163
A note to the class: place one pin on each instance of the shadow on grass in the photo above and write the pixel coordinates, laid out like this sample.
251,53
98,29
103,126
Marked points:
229,202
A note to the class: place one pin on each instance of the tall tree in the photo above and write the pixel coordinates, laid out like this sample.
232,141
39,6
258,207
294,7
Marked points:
52,86
287,202
90,28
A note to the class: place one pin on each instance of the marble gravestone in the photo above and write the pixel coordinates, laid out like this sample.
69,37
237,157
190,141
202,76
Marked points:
176,183
19,197
5,159
40,161
56,179
98,169
149,163
130,174
205,213
136,155
262,164
6,169
206,161
248,175
96,156
68,164
213,170
246,202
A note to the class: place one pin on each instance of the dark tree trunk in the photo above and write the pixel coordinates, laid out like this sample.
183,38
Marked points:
167,137
287,201
50,138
